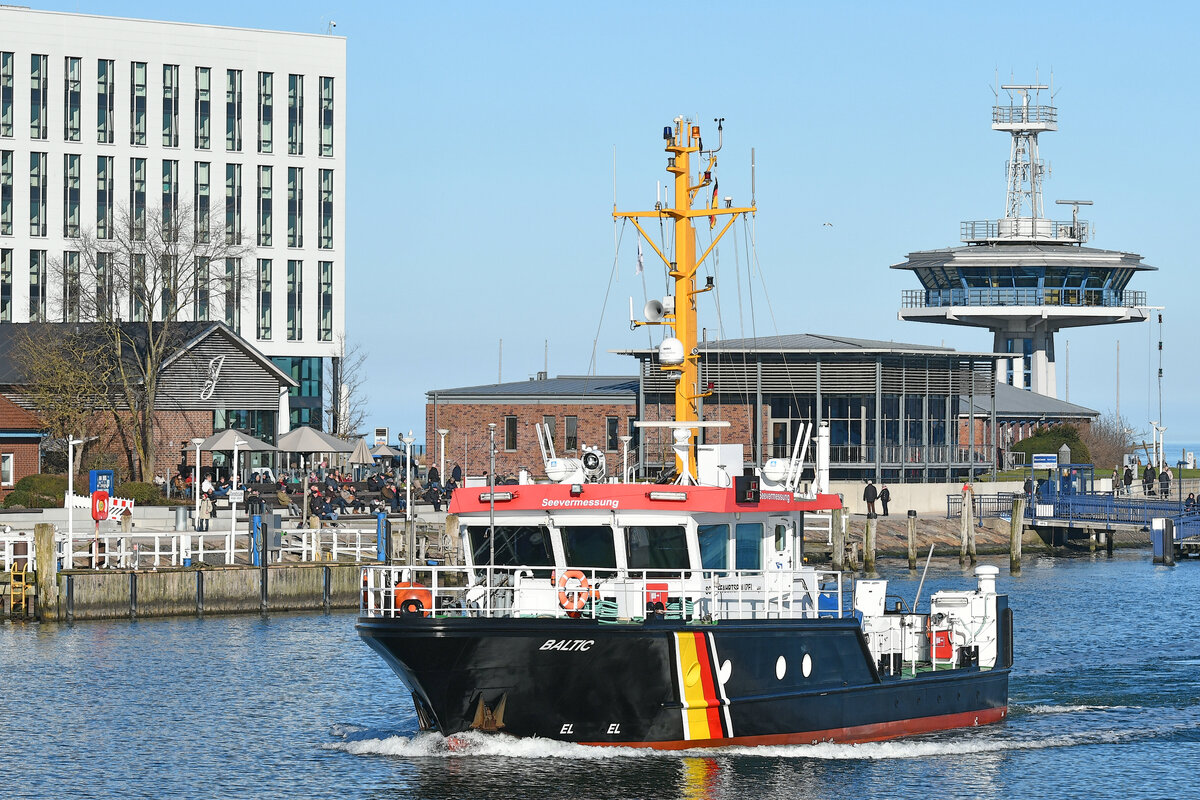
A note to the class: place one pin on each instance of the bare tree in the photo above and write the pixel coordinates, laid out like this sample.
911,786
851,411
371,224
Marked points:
157,268
1108,439
345,392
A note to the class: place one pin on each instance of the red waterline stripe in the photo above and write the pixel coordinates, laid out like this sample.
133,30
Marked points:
874,732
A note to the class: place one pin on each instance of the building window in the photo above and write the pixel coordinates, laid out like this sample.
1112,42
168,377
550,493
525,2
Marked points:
169,283
37,285
138,287
104,286
203,107
37,193
325,332
71,182
137,198
233,204
296,115
233,294
266,84
295,301
550,424
326,116
6,469
510,433
264,298
104,197
170,107
233,110
106,91
611,431
6,285
72,98
170,200
6,94
137,103
70,284
264,206
295,199
571,433
201,278
6,192
326,209
39,86
201,201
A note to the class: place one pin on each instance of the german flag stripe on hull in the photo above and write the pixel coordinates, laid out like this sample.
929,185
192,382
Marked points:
705,706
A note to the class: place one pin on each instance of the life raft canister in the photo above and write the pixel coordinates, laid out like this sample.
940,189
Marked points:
413,598
572,600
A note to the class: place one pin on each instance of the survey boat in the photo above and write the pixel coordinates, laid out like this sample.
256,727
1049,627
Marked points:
602,610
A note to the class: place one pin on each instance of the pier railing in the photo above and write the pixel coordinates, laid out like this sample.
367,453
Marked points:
608,596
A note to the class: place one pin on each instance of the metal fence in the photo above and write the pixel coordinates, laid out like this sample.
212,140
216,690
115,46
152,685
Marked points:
984,505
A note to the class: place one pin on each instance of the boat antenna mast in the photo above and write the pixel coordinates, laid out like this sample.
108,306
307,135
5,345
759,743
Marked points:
678,355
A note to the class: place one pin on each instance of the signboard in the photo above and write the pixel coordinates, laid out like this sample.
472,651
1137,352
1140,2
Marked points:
1045,460
237,495
100,480
381,436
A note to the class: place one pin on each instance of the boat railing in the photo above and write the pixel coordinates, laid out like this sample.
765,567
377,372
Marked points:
604,595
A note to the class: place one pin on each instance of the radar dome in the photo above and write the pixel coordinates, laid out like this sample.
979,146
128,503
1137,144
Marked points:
670,351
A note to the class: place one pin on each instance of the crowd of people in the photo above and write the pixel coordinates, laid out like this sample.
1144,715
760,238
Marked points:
1154,483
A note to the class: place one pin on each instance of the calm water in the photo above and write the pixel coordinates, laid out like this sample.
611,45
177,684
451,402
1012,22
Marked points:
1105,702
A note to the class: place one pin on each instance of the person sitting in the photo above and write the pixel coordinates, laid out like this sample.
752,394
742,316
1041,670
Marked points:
1189,505
222,488
327,511
374,482
335,499
350,498
285,501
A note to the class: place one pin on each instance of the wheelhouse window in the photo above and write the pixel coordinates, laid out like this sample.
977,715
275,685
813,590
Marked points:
516,546
714,546
748,545
589,546
656,547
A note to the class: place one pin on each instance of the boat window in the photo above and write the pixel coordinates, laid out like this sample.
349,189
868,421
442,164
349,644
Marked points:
656,547
714,546
748,553
516,546
589,546
781,538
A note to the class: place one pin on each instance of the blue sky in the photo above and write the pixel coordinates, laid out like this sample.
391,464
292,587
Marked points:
480,170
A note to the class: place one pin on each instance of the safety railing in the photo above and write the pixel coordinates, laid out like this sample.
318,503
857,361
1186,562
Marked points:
608,596
983,505
331,544
16,548
1030,296
1024,114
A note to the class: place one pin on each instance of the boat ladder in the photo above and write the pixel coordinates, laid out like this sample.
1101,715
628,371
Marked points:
18,589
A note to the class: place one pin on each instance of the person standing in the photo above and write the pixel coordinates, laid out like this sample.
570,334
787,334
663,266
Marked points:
885,497
206,512
1128,479
869,495
1148,478
1164,482
456,475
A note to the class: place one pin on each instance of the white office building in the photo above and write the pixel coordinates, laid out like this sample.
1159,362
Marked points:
105,119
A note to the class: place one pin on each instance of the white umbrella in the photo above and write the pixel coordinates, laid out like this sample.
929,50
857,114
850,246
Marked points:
385,451
223,440
361,454
310,440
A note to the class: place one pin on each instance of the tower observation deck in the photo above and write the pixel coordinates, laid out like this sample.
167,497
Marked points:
1023,276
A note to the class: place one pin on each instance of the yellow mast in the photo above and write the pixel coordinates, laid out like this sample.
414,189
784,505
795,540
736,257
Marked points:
683,139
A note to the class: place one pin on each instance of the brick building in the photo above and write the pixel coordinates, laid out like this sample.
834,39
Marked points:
20,440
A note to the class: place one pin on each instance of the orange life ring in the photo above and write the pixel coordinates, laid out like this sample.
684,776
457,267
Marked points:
413,598
573,600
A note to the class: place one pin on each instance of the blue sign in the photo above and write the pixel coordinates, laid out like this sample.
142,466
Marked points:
100,479
1045,460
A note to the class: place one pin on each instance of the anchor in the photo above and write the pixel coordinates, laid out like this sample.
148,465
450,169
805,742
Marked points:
489,719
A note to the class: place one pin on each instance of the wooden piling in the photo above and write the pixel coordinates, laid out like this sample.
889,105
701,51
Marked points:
47,572
912,539
838,556
1168,542
971,536
869,547
1108,542
1016,529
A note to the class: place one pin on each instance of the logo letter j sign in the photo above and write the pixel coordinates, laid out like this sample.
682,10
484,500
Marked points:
210,383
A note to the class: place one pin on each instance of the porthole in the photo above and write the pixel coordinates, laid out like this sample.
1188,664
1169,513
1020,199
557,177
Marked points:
806,665
780,667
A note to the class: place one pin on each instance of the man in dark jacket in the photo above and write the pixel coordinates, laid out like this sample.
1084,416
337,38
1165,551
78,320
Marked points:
869,495
1127,478
1148,479
885,497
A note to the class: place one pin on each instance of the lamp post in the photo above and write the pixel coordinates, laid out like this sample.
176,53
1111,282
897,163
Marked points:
442,471
196,478
492,502
71,442
410,538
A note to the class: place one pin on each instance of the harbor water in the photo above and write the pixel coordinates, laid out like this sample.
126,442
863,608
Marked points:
1104,703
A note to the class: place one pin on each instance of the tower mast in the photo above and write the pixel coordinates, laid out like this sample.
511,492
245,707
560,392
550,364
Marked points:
682,141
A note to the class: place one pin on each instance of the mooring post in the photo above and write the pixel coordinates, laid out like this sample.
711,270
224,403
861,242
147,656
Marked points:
912,539
1108,542
1093,535
838,556
47,572
1168,542
971,535
869,547
964,527
1016,529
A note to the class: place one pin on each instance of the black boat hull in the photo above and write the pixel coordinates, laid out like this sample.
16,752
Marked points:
671,684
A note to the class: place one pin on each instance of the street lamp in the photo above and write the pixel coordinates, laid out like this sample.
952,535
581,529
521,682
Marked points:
71,442
442,473
408,528
492,503
196,478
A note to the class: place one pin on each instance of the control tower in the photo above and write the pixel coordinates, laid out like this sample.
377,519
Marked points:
1025,277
